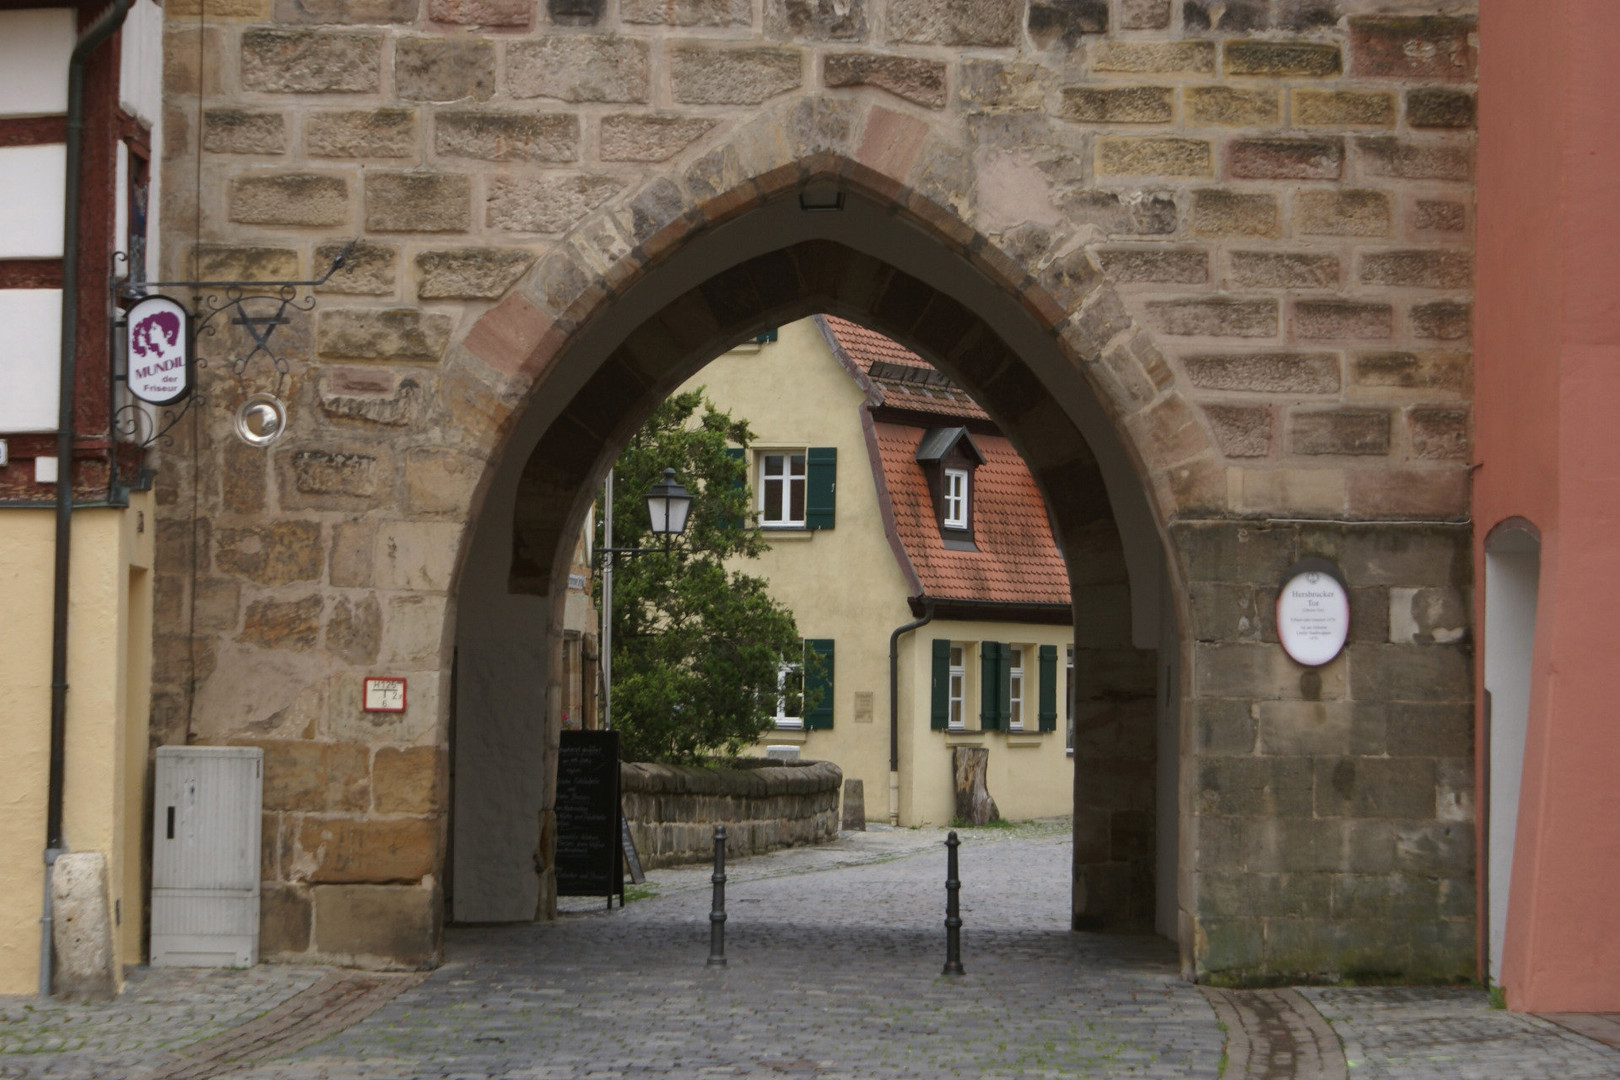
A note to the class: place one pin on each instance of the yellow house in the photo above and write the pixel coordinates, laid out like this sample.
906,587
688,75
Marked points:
899,515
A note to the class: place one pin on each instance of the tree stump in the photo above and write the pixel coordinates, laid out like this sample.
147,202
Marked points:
974,806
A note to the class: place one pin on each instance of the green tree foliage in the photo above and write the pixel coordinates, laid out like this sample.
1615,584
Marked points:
696,648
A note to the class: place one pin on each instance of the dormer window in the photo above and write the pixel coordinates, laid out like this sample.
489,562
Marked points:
956,499
948,457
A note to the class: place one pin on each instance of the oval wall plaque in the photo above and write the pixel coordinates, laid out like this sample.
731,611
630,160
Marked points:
159,350
1313,612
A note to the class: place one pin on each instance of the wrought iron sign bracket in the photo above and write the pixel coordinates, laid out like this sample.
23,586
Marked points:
258,307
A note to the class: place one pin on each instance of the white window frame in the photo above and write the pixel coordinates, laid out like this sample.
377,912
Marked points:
1068,703
786,479
956,498
1015,687
956,688
781,718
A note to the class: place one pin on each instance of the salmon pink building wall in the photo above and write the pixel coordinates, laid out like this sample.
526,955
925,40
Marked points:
1547,444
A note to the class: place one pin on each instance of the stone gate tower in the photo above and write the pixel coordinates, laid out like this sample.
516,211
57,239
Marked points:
1209,264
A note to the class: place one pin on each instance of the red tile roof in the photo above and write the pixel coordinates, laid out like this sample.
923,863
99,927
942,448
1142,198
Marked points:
903,379
1017,561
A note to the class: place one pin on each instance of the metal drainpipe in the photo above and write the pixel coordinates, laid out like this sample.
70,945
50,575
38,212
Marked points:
105,26
894,707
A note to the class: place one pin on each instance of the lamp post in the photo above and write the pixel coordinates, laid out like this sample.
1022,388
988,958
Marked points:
669,505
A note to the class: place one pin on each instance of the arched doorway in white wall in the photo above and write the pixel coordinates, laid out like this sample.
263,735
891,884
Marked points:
1512,573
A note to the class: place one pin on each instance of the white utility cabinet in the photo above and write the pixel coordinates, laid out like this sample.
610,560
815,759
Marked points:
205,856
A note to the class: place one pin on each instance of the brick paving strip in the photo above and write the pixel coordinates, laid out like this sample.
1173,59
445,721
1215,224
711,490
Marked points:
1275,1035
338,1000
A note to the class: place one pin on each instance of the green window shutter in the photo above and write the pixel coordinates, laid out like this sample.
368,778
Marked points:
1004,688
939,706
993,689
736,453
819,683
821,486
1048,713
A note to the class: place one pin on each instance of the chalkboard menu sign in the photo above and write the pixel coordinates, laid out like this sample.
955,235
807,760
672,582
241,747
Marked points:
588,814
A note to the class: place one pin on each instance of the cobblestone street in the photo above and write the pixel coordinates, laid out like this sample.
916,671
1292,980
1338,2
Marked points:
834,972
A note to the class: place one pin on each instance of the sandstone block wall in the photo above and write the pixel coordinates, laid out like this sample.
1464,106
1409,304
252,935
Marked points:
1246,226
673,809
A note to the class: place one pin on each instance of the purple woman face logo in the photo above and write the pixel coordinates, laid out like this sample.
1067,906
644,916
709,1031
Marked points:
156,334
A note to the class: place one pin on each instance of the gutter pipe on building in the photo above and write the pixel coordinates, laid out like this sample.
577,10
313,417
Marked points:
894,707
94,36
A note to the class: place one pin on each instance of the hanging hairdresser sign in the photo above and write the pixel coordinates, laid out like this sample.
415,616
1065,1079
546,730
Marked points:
159,350
1313,612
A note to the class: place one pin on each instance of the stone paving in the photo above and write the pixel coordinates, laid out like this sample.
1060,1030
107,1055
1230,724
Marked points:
1439,1033
834,973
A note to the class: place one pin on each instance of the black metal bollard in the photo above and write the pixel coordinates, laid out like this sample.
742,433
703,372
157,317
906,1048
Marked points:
953,910
717,916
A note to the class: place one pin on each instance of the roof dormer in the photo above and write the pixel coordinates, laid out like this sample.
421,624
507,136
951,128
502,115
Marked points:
949,457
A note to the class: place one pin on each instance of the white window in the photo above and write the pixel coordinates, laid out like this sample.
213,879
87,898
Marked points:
1015,688
956,499
1068,703
789,696
958,685
781,488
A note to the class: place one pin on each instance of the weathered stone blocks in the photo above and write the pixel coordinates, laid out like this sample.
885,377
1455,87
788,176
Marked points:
1342,212
1241,431
397,925
1421,47
369,269
232,262
1347,320
641,137
1266,373
311,62
1436,107
345,850
546,203
1280,58
1285,159
687,12
418,202
1152,57
1339,431
579,68
1284,270
817,20
482,12
1118,105
345,11
399,334
1119,155
507,136
277,553
718,75
290,199
1218,212
282,624
1215,318
238,131
1154,265
470,273
444,69
914,79
1422,268
1343,108
956,22
1230,106
1065,23
361,133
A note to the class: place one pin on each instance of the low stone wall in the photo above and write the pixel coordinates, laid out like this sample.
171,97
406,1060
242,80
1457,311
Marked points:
673,809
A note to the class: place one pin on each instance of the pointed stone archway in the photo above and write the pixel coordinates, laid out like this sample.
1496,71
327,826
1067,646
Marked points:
980,229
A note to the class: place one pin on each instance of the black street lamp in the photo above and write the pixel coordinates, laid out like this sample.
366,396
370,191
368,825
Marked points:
669,505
